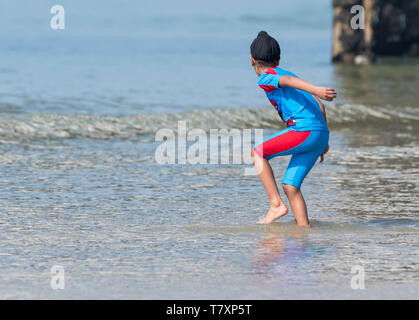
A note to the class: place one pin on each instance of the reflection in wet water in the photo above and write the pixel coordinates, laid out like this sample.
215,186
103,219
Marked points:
279,255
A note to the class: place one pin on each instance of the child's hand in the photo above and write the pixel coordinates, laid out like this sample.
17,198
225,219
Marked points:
324,93
324,152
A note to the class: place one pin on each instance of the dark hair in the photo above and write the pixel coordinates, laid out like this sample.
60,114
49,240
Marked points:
265,50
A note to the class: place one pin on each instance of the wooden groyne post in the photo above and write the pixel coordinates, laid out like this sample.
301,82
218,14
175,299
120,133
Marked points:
365,29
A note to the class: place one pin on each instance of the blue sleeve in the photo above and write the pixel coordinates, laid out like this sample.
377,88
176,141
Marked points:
269,82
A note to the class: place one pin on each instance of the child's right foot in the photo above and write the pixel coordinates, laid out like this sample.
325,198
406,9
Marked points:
275,212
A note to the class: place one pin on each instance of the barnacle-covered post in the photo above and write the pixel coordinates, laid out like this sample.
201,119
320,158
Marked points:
365,29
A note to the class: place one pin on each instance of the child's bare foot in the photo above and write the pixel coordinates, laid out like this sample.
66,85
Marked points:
275,212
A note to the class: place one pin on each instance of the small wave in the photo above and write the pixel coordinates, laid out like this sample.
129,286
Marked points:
61,126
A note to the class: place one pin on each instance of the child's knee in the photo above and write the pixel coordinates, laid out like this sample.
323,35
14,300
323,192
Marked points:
290,190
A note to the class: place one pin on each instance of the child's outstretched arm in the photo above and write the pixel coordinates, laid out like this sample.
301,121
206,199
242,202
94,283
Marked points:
322,92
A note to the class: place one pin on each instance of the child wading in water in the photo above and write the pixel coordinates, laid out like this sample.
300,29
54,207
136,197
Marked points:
306,137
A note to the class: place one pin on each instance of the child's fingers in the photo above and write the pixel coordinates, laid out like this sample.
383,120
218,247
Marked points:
331,93
328,94
324,152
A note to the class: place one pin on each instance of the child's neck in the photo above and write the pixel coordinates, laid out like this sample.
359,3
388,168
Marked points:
261,70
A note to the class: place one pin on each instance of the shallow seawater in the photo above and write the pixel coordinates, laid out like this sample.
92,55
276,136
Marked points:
81,188
125,226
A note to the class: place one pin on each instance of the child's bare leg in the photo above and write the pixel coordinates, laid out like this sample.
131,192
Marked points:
298,205
277,206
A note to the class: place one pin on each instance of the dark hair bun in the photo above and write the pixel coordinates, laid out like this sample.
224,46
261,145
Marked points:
265,48
262,33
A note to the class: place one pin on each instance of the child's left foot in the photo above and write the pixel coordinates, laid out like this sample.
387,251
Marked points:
275,212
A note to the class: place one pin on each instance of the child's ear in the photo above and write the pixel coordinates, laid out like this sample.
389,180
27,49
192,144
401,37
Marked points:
252,61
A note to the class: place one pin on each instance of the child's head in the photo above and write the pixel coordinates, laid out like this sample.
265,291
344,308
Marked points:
265,51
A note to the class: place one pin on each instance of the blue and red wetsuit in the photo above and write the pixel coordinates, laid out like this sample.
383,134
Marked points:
307,134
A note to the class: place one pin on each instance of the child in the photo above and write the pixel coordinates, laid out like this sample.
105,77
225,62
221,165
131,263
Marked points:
306,136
